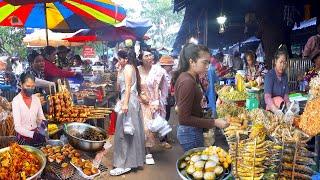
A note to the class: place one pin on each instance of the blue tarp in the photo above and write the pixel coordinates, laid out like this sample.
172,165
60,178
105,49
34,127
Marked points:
306,23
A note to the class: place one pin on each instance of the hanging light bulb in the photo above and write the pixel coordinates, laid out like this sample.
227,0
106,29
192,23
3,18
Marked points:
221,19
193,40
221,29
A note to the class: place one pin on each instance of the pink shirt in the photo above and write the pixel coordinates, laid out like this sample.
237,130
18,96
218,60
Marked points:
312,45
26,119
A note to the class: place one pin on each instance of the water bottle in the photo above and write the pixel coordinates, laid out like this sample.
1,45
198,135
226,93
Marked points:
301,86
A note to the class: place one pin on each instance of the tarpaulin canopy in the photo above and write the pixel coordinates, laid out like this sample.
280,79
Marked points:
38,39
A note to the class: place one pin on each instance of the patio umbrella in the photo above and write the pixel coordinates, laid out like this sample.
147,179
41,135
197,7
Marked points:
67,15
127,29
111,34
38,39
139,26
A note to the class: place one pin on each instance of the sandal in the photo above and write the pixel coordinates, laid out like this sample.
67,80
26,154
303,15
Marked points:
119,171
149,159
166,145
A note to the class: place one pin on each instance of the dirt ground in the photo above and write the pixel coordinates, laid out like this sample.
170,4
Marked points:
165,167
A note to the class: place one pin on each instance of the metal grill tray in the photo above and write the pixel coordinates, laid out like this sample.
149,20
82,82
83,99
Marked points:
75,176
56,168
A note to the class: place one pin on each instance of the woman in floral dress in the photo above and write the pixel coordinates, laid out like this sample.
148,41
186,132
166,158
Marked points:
153,89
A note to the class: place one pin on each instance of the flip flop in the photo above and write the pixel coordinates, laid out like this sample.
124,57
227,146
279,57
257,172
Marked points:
119,171
166,145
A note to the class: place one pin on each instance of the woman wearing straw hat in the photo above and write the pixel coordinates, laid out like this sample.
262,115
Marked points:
167,63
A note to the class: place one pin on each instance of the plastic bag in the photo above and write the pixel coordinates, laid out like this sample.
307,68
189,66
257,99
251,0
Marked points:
165,130
209,138
98,158
128,127
157,123
292,111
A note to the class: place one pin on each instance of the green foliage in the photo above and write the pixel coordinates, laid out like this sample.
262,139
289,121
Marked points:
11,43
160,12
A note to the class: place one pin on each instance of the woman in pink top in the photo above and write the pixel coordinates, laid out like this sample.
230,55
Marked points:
154,89
27,113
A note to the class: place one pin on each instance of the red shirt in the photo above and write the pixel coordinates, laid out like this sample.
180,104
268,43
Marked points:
52,71
26,99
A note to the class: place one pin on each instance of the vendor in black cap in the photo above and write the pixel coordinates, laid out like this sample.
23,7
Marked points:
314,71
63,61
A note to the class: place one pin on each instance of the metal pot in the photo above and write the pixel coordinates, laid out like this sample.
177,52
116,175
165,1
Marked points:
38,153
83,144
225,175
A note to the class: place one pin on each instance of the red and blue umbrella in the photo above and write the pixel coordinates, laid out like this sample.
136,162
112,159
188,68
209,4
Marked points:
111,34
67,15
128,29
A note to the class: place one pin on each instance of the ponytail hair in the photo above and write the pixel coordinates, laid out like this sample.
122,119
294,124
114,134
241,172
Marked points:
189,52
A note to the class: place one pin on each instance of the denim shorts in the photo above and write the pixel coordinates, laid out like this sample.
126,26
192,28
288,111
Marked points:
190,137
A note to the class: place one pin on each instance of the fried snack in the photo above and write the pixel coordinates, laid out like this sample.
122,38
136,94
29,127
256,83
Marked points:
58,154
230,94
309,122
17,163
229,109
315,87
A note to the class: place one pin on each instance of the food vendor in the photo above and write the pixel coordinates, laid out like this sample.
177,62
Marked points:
36,68
63,61
253,70
28,117
51,70
194,60
276,88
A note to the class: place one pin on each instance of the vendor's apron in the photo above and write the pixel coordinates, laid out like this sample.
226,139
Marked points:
22,140
278,102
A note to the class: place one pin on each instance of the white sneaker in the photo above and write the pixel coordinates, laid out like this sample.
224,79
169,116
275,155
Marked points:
119,171
149,159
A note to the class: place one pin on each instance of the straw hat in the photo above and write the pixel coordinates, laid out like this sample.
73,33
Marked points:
166,60
3,59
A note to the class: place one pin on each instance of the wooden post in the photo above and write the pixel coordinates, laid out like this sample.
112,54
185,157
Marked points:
46,22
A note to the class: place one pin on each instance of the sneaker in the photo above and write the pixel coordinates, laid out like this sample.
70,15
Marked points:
119,171
149,159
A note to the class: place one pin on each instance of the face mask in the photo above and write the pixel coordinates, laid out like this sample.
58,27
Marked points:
28,91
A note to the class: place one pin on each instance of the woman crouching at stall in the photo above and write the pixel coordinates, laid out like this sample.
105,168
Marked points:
129,141
29,120
194,60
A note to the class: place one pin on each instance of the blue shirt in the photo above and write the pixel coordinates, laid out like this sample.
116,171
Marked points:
211,93
275,86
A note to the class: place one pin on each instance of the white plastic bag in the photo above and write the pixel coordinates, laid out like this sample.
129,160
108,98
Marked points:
128,127
292,111
157,123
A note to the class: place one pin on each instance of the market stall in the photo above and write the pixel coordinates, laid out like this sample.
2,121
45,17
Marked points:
261,145
71,156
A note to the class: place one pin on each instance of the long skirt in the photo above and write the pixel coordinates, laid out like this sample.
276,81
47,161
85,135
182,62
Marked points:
129,150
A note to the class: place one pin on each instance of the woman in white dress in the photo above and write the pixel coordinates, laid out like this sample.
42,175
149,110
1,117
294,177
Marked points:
129,141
